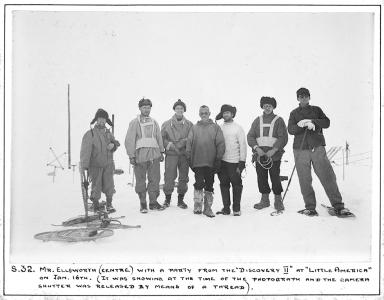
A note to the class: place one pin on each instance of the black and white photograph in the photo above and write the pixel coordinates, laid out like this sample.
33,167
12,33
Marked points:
234,145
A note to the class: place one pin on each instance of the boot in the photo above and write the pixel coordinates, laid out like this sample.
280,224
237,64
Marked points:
110,209
167,201
278,203
96,207
236,193
180,201
208,201
143,202
264,202
226,197
198,201
153,204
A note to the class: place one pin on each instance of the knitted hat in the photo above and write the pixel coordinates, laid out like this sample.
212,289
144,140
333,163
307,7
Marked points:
179,102
144,102
224,108
268,100
101,113
303,91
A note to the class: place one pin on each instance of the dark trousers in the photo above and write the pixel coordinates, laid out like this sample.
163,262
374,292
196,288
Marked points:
227,176
204,178
274,174
317,158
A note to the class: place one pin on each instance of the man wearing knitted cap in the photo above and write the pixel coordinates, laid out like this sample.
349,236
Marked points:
306,123
175,133
96,157
267,138
205,149
233,161
144,146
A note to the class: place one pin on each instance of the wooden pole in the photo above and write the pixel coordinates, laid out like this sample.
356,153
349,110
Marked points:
69,129
113,124
346,153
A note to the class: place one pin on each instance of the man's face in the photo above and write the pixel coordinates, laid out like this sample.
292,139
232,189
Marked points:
204,114
101,122
267,108
227,116
303,99
179,111
145,110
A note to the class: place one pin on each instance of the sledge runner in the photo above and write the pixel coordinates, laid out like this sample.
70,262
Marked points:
96,157
174,133
233,161
205,149
144,146
313,120
267,138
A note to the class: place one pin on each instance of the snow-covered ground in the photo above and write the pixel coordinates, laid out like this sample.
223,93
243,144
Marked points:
177,235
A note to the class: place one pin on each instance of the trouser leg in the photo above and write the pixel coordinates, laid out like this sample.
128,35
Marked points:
327,176
170,173
224,188
274,174
183,168
141,177
153,180
237,185
262,179
96,176
303,168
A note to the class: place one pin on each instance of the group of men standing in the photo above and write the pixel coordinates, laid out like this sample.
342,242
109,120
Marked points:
208,149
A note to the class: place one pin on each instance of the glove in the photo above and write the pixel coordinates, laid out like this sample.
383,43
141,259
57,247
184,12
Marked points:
132,160
217,166
271,152
241,166
303,123
311,126
259,151
161,157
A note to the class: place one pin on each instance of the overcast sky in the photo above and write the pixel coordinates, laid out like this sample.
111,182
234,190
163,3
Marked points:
112,59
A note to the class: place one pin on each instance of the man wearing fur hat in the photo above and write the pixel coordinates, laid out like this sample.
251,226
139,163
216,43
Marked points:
306,123
267,138
233,161
144,146
175,133
205,149
96,156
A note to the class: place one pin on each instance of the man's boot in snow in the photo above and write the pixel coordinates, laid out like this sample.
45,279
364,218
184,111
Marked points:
208,201
278,203
95,207
180,201
153,204
264,202
226,197
167,201
143,202
236,192
109,207
198,201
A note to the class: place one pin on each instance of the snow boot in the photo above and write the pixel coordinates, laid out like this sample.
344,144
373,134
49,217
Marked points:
167,201
153,204
198,201
226,197
110,209
180,201
143,202
343,213
278,203
208,201
236,192
308,212
264,202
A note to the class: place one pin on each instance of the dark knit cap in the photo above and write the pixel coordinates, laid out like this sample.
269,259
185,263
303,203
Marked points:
268,100
144,102
101,113
179,102
224,108
303,91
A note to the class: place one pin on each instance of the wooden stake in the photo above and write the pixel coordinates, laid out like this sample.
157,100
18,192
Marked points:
69,129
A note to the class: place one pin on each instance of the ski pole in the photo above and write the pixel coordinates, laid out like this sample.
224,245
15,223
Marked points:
294,167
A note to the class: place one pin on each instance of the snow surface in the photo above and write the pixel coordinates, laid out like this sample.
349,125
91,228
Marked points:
177,235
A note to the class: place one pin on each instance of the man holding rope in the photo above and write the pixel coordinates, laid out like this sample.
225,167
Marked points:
267,138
